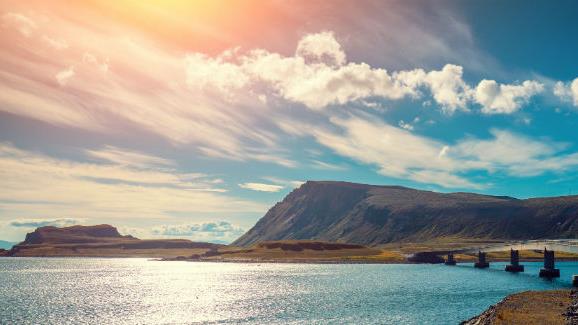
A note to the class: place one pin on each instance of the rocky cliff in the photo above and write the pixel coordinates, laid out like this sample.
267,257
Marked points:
371,215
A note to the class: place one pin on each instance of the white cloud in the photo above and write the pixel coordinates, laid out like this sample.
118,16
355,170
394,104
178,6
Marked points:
402,124
321,48
505,99
261,187
204,72
319,76
567,92
230,106
448,88
211,103
64,76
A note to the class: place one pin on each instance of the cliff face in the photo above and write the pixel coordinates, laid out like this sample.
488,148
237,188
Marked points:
370,215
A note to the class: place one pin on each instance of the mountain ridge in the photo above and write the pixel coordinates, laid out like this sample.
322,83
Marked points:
379,214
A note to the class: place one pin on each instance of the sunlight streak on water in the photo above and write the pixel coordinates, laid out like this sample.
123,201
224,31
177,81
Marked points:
138,291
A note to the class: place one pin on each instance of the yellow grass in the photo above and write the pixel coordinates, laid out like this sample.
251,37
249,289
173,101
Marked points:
260,253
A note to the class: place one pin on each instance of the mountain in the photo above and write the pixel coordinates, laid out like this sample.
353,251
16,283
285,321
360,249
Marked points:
372,215
5,244
75,235
101,240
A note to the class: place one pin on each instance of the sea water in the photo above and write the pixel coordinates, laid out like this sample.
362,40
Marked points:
140,291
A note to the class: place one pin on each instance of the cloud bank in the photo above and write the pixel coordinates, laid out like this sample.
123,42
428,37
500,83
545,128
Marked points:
219,231
241,105
128,186
36,223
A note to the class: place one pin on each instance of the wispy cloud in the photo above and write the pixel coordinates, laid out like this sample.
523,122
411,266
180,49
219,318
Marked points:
241,105
40,186
91,84
318,164
36,223
261,187
283,182
128,158
400,154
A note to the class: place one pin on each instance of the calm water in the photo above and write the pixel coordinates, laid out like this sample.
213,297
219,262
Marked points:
138,291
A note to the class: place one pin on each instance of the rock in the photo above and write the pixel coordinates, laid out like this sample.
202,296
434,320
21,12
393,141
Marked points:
426,258
72,235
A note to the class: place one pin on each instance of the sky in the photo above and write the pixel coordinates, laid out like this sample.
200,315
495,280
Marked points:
190,119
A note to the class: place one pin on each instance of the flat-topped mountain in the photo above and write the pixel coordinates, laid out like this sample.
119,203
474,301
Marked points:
372,215
74,235
101,240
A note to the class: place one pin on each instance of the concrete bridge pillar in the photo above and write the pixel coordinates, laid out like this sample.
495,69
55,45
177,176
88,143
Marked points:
481,263
450,260
514,265
549,270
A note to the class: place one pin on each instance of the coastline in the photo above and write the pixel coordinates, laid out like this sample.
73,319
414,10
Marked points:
529,308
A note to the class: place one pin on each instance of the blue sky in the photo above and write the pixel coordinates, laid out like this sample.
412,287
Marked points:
191,119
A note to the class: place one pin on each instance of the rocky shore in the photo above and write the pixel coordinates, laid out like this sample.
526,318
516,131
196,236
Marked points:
572,311
531,307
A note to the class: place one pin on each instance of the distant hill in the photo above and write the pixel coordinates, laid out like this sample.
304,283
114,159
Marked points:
75,235
103,241
372,215
5,244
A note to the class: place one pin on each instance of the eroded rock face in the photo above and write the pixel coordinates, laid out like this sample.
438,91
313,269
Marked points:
372,215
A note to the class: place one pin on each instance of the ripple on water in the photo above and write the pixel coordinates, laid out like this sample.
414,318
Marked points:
138,291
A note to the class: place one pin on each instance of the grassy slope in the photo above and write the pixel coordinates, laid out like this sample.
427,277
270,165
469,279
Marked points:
307,251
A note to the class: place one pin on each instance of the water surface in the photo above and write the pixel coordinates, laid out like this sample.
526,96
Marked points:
139,291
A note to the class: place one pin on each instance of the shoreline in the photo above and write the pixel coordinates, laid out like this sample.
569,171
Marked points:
529,308
276,261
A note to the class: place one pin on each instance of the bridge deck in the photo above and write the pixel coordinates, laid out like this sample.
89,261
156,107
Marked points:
562,245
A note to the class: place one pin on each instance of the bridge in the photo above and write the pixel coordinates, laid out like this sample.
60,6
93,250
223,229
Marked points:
547,246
